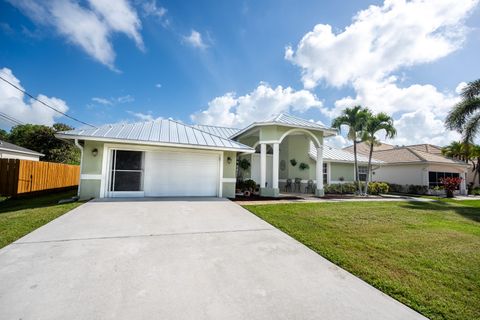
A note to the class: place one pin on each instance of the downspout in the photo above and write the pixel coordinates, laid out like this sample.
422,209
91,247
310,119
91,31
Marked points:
79,146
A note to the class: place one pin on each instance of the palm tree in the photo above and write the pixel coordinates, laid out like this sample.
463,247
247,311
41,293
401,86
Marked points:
456,150
355,118
376,123
465,116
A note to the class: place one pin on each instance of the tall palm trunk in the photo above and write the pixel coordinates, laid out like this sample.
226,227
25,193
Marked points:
359,186
369,168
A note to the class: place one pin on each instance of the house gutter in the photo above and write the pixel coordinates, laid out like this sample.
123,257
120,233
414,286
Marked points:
79,146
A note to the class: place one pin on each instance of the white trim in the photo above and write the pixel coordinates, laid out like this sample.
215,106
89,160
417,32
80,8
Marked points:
127,194
260,124
220,176
32,153
154,143
90,176
316,141
229,180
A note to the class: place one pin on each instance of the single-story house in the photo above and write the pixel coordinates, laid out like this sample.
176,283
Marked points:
12,151
421,164
169,158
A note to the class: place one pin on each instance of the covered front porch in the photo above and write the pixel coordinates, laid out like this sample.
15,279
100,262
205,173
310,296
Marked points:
281,163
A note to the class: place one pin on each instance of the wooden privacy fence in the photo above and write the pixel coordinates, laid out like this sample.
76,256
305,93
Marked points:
25,176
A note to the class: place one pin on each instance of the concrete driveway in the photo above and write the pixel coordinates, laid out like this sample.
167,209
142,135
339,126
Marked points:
177,259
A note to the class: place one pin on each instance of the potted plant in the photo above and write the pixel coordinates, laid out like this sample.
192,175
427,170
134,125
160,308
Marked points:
450,184
303,166
293,162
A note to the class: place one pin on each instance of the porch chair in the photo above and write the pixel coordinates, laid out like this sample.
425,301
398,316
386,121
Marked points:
298,183
309,187
288,185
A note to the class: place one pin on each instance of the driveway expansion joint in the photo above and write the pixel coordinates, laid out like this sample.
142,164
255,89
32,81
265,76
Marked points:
144,236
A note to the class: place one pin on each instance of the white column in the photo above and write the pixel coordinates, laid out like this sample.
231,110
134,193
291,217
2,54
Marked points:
463,184
275,165
263,165
319,173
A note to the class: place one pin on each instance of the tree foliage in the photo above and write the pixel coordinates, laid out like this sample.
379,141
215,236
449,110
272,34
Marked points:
41,138
465,116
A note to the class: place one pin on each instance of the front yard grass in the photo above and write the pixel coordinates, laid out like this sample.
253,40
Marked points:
424,254
21,216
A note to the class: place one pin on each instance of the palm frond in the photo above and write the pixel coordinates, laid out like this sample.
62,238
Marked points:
459,115
472,128
472,90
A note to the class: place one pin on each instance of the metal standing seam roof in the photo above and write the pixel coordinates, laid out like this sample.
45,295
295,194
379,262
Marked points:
159,131
7,146
223,132
288,120
333,154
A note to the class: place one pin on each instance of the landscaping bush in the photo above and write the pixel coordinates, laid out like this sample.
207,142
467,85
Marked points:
377,187
339,188
416,189
476,191
249,185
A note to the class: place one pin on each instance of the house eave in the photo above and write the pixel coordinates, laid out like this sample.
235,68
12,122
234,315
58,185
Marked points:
328,132
153,143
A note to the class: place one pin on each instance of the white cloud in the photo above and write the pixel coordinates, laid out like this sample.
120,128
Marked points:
144,116
260,104
125,99
102,101
195,40
150,8
112,101
120,17
15,104
381,41
90,28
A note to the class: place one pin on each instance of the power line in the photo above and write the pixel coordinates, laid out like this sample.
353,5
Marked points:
10,119
46,105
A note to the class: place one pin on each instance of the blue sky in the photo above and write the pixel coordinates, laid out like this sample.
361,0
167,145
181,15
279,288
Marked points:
228,59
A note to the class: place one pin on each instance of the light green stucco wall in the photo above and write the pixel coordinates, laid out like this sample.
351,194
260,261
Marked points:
229,171
91,164
89,189
338,170
297,147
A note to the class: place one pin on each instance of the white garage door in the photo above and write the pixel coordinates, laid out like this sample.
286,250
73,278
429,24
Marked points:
173,174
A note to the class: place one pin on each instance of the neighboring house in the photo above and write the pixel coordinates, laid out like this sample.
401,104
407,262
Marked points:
168,158
12,151
421,164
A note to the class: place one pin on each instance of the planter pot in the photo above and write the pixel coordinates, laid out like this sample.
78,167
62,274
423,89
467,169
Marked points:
449,194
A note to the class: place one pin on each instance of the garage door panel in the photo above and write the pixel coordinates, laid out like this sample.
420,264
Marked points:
181,174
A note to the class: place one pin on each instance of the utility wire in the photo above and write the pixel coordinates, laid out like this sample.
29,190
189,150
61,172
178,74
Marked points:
10,119
46,105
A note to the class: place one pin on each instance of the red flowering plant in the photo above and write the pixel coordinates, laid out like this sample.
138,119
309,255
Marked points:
450,184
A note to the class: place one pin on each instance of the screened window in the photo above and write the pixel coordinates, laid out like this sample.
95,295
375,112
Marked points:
127,171
435,177
325,174
362,173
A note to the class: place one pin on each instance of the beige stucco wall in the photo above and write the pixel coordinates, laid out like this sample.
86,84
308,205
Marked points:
90,187
401,174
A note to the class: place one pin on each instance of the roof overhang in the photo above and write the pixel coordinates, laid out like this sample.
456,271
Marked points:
152,143
30,153
327,132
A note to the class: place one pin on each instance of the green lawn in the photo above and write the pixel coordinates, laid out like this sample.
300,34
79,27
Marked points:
426,255
19,217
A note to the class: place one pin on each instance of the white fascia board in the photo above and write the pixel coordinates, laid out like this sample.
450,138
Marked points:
259,124
153,143
32,153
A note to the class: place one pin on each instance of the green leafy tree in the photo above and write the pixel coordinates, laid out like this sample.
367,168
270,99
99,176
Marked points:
356,119
3,135
466,152
465,116
41,138
375,124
